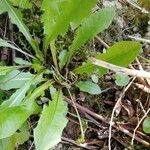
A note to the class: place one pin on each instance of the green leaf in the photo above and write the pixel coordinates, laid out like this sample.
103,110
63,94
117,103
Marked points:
62,58
4,43
51,124
20,61
121,79
19,95
87,5
16,17
13,117
5,69
122,54
39,91
18,138
23,134
95,78
89,87
58,15
52,91
14,80
21,3
146,125
91,26
50,12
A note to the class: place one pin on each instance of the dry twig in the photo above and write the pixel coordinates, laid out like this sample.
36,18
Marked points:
132,3
139,125
142,87
135,73
139,39
113,112
107,121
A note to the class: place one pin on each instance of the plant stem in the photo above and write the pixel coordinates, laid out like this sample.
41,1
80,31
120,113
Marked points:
145,59
79,118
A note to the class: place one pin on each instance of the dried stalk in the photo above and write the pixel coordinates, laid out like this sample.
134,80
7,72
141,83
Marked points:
113,112
135,73
107,121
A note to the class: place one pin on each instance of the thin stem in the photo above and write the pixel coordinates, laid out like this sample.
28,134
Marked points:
144,58
139,125
113,113
79,118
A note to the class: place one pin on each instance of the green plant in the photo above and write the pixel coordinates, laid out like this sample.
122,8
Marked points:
57,18
146,125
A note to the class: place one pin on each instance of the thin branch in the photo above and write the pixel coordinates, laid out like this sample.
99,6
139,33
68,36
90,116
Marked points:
135,73
142,87
101,41
143,10
12,40
79,118
107,121
113,112
139,125
85,146
23,52
139,39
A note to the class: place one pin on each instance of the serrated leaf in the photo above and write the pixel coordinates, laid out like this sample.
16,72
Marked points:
89,87
121,79
146,125
21,3
51,11
58,15
14,79
16,18
87,6
49,129
91,26
121,54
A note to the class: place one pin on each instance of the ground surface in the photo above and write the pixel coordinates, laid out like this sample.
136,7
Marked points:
130,23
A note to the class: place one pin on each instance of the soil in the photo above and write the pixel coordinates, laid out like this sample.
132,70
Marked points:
129,21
